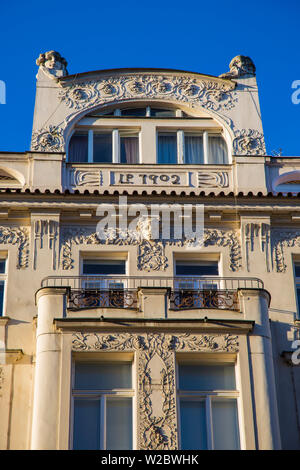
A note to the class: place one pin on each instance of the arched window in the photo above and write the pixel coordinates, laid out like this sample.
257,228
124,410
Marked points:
287,183
147,134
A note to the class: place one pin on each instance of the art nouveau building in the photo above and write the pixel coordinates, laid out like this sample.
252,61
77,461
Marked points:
127,340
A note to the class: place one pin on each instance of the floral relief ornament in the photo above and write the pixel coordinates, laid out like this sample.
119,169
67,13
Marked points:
48,139
207,93
249,142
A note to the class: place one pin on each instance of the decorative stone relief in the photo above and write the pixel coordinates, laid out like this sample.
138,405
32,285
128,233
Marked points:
213,179
52,64
86,178
48,139
252,231
151,253
156,395
207,93
41,230
249,142
240,66
282,239
20,237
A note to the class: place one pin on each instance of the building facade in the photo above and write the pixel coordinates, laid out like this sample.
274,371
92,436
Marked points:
150,254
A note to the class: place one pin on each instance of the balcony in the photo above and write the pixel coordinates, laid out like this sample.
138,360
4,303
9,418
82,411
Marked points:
125,292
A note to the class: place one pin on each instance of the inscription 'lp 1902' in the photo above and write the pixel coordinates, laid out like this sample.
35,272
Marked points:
150,179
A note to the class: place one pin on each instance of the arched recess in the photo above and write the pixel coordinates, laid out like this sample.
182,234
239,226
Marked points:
190,108
11,178
287,182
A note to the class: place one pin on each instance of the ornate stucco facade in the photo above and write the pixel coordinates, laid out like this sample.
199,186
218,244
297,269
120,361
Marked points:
246,315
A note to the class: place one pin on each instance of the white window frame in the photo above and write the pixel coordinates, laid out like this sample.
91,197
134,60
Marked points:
180,138
207,396
102,395
116,143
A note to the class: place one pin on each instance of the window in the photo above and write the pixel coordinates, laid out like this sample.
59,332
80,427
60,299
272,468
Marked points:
196,269
109,146
2,283
196,284
208,406
102,405
190,148
123,135
105,277
297,282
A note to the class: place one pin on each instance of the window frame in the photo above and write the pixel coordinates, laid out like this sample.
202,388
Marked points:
180,144
101,395
207,396
116,134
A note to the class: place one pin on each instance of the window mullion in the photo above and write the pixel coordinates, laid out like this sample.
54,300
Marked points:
180,146
90,146
116,146
205,148
209,426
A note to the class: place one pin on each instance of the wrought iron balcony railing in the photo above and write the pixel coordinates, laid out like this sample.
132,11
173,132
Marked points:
122,291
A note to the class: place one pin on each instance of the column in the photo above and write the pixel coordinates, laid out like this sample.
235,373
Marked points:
255,304
51,304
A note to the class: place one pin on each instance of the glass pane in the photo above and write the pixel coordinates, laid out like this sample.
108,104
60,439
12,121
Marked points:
193,149
118,423
2,284
104,267
78,148
86,434
157,112
217,150
197,268
102,375
193,425
167,148
297,270
129,149
139,112
206,377
225,424
103,148
2,265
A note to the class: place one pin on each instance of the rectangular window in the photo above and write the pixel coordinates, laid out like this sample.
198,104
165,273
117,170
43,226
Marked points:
129,148
208,407
191,148
78,148
167,148
102,406
102,147
109,146
110,290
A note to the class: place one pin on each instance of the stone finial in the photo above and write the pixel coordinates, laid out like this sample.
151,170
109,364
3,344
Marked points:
240,66
53,64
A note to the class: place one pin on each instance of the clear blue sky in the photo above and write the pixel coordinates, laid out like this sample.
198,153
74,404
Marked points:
200,36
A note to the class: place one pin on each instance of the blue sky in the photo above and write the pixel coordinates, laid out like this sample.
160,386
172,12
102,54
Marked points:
200,36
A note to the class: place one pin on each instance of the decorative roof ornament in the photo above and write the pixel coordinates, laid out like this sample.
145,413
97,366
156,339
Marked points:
52,64
240,66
